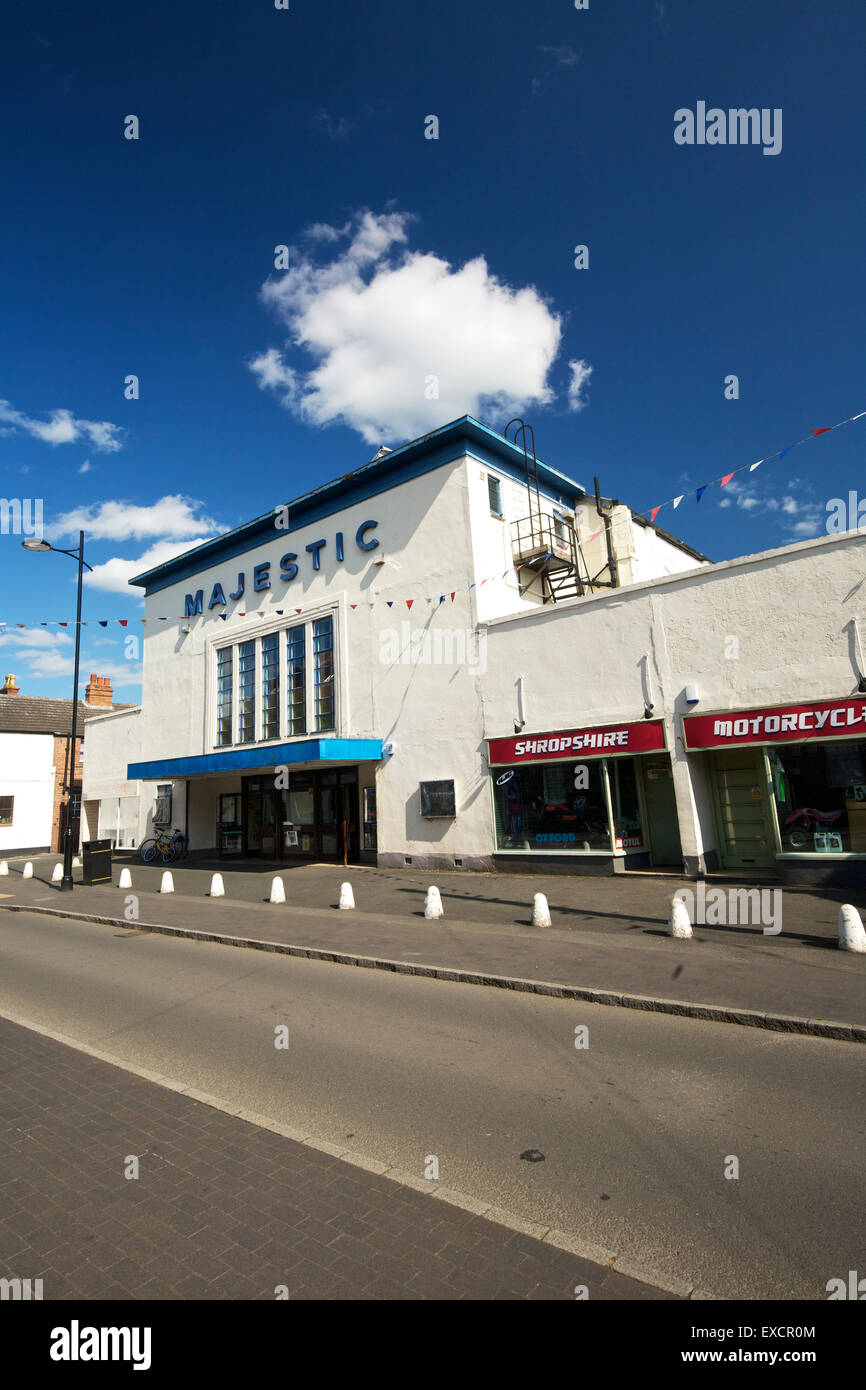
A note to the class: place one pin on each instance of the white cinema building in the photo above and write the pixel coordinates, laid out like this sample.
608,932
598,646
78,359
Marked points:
454,656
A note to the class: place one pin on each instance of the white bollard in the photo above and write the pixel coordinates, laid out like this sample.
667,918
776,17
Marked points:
167,885
852,936
679,924
217,887
433,908
125,880
4,868
27,871
347,897
278,891
540,911
57,874
76,863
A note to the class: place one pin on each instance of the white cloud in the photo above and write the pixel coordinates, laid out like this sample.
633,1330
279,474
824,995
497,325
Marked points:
64,428
380,321
580,374
790,505
42,637
172,517
114,575
85,467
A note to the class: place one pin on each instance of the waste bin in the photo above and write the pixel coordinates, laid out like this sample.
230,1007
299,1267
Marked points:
96,862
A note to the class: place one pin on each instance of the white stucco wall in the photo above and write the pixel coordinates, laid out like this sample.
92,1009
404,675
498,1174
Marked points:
27,772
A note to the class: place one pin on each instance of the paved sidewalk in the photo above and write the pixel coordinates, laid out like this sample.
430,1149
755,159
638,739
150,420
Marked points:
222,1209
608,934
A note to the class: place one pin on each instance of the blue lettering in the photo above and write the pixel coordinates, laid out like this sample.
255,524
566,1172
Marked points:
314,547
359,536
288,568
240,588
260,576
217,596
193,605
339,545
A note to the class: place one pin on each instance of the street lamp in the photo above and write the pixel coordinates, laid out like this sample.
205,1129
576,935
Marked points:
39,544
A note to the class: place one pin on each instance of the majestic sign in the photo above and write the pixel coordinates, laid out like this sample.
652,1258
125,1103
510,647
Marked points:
194,603
777,724
645,736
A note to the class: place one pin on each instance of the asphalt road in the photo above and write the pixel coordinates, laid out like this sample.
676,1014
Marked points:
635,1130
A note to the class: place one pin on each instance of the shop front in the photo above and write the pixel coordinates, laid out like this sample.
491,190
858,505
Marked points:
788,786
315,817
599,799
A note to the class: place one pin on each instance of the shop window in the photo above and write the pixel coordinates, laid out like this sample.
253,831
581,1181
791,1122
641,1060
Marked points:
627,823
271,685
438,800
296,668
224,696
370,841
323,654
162,805
820,796
7,806
246,692
299,823
540,807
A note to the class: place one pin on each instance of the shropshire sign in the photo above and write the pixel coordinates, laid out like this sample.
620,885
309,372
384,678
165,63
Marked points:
595,741
776,724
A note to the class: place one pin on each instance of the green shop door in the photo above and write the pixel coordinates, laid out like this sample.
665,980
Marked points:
743,809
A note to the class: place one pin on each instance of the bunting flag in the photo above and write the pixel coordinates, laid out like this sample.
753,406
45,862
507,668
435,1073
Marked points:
698,492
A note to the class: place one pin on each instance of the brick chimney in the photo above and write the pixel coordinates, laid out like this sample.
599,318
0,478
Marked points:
98,692
9,687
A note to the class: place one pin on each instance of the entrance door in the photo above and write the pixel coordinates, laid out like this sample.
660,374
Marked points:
661,812
742,809
262,818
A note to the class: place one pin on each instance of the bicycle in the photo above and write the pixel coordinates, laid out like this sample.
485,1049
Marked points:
164,845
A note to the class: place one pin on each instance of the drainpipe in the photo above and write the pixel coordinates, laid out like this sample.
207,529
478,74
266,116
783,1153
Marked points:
611,562
186,814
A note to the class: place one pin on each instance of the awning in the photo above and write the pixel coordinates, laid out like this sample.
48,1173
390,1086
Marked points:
312,750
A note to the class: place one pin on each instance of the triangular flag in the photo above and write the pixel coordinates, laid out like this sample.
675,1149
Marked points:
222,617
753,466
441,598
785,451
409,602
297,610
62,624
453,592
123,621
700,492
390,602
727,478
678,500
279,612
655,511
353,605
825,430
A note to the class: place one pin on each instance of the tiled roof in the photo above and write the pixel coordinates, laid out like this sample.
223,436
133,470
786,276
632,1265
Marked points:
36,714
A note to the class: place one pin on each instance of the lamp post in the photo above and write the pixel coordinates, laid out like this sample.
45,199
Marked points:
40,544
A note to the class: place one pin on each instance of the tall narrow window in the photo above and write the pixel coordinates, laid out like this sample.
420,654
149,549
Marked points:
323,652
494,496
224,697
246,692
271,686
295,680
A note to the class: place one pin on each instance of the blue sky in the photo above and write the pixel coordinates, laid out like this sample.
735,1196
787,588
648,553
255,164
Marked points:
452,257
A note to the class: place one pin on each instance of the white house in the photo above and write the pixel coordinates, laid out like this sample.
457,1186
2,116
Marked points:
455,656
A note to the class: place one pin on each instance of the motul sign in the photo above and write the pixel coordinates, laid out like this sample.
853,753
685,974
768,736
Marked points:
778,724
646,736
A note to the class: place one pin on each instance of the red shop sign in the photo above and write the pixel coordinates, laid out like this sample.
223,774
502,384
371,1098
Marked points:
596,741
776,724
